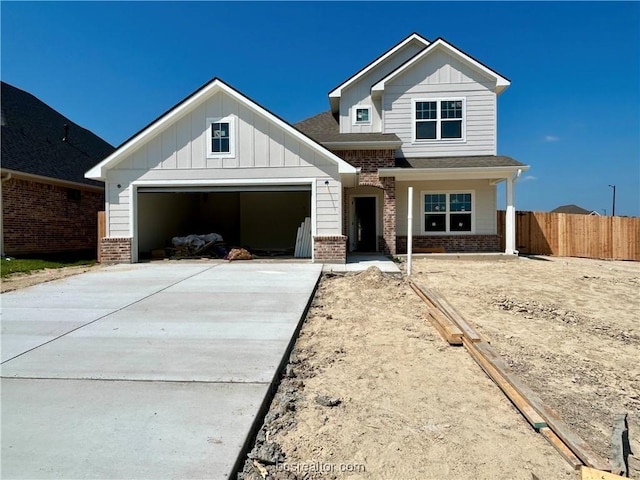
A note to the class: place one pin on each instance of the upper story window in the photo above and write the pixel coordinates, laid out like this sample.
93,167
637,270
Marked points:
446,212
220,137
362,115
438,119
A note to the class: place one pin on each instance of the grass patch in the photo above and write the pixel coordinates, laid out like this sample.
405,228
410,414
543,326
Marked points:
26,265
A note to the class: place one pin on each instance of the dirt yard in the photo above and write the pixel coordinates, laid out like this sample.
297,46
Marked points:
17,281
372,391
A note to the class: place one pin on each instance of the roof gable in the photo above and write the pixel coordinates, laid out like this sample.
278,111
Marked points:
441,44
191,103
36,142
414,37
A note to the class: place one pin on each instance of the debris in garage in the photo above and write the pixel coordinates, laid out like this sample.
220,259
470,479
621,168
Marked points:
198,245
238,254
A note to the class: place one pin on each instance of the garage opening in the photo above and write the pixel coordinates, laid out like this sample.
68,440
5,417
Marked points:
264,220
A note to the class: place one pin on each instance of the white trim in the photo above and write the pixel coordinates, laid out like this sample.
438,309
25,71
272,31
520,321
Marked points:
98,172
53,181
448,213
354,114
231,120
501,82
363,145
337,92
438,120
352,218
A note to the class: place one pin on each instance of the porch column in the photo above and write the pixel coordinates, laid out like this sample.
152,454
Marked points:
510,220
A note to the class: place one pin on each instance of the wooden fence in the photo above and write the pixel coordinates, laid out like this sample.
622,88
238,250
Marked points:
102,232
569,235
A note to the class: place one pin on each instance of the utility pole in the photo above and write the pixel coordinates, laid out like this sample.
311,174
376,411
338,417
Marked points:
613,209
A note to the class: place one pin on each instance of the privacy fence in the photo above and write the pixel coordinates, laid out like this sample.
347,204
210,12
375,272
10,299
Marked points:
568,235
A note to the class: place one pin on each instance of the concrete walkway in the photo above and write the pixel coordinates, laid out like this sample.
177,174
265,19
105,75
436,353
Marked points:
143,371
360,262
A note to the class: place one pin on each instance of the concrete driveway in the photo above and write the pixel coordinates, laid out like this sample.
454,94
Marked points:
144,371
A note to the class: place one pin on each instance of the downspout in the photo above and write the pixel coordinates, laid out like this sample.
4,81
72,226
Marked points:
3,178
510,220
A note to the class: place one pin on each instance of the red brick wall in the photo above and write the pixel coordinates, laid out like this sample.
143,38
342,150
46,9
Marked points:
39,218
453,243
115,250
330,249
369,162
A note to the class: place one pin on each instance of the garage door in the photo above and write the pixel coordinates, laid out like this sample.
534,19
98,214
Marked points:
263,219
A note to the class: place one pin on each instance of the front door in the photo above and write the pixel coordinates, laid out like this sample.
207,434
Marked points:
364,224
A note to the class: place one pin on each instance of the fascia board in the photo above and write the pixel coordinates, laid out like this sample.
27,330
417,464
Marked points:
451,173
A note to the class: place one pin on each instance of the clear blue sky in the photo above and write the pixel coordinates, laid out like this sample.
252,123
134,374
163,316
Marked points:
572,111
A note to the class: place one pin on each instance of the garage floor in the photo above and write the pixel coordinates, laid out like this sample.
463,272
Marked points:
145,371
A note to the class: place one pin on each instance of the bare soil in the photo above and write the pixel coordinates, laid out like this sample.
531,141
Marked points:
17,281
372,391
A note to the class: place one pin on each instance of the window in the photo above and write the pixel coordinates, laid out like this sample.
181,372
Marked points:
439,119
220,137
73,195
361,115
448,212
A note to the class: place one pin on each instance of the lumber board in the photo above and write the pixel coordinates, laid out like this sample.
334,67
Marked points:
568,436
521,403
439,301
587,473
564,451
620,431
448,330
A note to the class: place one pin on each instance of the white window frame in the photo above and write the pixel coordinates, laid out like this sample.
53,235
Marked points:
354,112
438,120
448,212
231,120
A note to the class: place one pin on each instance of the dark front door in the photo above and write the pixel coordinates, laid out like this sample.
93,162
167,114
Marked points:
365,224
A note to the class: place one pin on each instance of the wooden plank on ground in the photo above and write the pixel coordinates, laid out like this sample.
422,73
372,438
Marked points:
521,403
564,451
447,329
619,437
439,301
568,436
587,473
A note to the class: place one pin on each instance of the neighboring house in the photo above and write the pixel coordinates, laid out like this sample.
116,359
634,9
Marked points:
48,206
423,115
574,209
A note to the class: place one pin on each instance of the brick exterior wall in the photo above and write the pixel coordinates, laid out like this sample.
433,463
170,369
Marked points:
42,218
369,161
115,250
330,249
453,243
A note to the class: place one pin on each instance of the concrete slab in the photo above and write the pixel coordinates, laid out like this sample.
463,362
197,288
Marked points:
216,331
360,262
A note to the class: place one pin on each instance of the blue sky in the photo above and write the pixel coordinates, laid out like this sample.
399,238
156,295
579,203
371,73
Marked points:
572,111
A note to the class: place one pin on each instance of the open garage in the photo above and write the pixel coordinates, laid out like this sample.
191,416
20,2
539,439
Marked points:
262,219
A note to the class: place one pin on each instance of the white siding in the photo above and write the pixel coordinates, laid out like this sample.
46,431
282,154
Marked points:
484,203
263,151
442,76
358,93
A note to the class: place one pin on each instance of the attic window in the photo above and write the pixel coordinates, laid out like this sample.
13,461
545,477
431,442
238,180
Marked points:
362,115
438,119
220,137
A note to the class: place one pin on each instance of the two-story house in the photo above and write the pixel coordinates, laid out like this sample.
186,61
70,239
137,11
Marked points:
422,115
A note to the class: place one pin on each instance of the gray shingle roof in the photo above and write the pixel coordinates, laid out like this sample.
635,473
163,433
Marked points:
575,209
32,134
479,161
324,128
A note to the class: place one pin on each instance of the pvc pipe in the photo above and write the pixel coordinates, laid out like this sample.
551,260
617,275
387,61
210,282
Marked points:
409,230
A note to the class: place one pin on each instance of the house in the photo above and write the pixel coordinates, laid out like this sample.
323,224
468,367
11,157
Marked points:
47,204
423,114
574,209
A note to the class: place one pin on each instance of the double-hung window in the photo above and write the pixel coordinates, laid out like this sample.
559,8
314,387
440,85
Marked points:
448,212
220,137
439,119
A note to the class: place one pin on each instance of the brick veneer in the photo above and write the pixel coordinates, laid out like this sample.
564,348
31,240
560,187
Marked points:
115,250
330,249
39,218
369,161
453,243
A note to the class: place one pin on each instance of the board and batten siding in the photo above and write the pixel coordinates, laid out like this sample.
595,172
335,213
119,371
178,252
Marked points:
359,93
442,76
484,203
263,150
